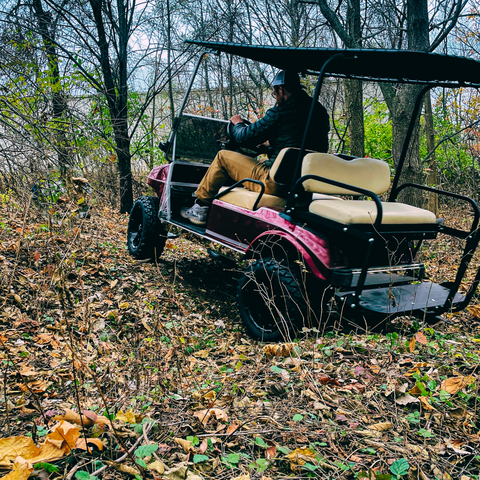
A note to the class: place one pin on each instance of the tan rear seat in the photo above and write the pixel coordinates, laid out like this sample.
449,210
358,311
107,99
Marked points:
367,173
245,198
360,212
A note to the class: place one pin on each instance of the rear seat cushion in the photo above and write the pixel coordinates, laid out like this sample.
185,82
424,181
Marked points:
356,212
245,198
366,173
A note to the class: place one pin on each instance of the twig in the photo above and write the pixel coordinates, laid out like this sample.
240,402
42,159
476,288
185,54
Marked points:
6,399
146,429
18,253
100,391
71,473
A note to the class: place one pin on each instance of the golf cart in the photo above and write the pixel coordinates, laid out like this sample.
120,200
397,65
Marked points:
331,236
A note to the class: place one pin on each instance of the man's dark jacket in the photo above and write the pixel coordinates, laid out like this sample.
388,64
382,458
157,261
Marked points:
284,125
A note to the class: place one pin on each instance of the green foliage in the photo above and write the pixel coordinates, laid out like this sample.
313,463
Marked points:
200,458
413,417
378,129
454,155
48,467
233,458
399,468
260,442
146,450
82,475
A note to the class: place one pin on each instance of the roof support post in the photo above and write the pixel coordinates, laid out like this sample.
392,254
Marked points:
321,77
165,146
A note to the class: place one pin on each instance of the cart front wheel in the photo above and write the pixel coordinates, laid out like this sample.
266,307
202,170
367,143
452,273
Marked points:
146,236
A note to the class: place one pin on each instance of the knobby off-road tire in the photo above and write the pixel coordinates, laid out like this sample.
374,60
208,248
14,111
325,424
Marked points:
271,301
146,236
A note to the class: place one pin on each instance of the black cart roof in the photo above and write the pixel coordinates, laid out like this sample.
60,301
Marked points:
402,66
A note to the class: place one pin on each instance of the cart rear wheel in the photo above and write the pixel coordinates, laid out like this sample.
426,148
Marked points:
272,301
146,236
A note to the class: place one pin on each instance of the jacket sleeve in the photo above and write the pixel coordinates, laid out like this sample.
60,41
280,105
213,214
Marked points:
259,131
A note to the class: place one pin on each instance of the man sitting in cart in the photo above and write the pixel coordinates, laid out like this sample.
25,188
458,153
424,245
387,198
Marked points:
281,127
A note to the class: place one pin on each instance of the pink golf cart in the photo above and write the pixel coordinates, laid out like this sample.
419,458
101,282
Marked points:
332,237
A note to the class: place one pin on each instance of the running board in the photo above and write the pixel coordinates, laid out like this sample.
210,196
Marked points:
379,277
414,299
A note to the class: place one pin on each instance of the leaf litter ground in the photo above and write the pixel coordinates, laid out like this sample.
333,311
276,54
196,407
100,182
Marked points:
170,386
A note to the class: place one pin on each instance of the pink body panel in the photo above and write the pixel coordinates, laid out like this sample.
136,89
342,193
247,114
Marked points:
242,229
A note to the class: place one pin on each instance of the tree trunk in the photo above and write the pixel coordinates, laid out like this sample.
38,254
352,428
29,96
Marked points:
59,104
401,110
432,175
353,88
117,97
354,116
169,62
401,103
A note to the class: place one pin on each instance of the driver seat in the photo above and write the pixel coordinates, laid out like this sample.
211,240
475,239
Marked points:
282,172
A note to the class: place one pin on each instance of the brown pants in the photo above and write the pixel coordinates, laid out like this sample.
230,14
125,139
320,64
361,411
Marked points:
228,164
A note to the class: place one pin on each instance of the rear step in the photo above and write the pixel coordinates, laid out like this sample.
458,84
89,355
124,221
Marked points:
379,277
411,299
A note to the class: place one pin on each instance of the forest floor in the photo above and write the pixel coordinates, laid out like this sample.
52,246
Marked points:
170,386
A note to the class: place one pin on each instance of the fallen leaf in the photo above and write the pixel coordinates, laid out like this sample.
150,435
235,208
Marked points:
185,444
459,413
455,384
415,391
120,467
270,452
358,370
474,310
340,418
12,447
128,416
325,380
82,444
231,428
65,436
56,445
381,427
205,415
74,417
21,470
411,345
299,457
278,350
426,404
440,475
421,338
456,445
203,446
201,353
406,399
157,466
181,472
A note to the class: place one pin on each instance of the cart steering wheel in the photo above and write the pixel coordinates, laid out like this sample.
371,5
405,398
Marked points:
230,126
233,145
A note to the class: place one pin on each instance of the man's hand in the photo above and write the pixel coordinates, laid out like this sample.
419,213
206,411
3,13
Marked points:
236,119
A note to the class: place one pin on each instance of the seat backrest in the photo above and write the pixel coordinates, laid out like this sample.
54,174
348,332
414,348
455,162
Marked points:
367,173
283,168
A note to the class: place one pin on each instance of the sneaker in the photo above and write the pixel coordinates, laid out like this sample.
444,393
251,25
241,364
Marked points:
196,214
